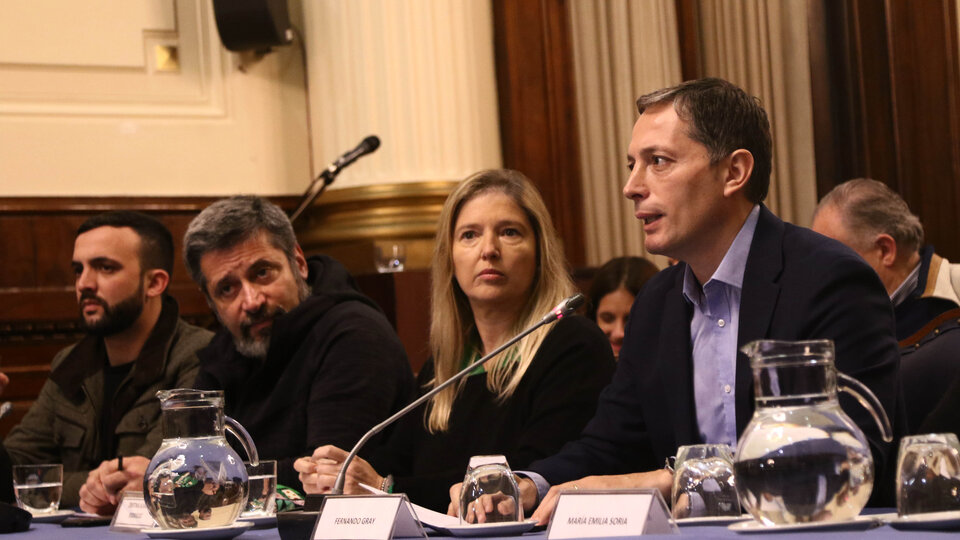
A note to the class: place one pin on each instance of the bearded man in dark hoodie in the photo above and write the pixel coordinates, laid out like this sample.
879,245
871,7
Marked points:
303,358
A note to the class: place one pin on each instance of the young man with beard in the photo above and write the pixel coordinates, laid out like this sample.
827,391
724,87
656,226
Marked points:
100,399
303,359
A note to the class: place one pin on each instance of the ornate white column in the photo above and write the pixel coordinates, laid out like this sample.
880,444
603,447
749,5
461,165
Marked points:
420,75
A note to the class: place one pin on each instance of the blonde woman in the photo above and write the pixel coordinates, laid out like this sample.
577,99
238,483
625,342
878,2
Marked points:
498,267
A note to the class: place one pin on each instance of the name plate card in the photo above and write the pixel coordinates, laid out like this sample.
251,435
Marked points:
132,514
367,517
610,513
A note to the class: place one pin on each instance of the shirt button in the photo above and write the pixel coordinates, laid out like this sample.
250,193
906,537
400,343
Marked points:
720,323
726,388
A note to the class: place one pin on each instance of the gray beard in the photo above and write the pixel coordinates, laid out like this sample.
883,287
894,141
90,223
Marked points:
258,347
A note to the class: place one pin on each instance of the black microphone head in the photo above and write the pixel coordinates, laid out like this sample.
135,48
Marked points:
573,303
371,143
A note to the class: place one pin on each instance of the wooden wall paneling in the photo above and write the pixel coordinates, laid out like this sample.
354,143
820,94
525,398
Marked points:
875,111
853,113
926,92
887,103
688,31
405,299
534,63
16,251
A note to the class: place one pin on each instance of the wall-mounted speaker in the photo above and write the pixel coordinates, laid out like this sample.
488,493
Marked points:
252,24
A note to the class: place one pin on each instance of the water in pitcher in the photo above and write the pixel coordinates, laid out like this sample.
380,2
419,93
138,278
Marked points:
189,491
827,476
196,480
801,458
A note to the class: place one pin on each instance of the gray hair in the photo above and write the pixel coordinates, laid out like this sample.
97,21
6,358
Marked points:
870,207
229,222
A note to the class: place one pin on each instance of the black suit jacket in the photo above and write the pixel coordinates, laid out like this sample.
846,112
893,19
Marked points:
797,285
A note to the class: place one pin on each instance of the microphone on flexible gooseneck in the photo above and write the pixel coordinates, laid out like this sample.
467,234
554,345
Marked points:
366,146
563,309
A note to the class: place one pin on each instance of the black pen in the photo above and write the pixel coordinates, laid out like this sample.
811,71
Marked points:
119,463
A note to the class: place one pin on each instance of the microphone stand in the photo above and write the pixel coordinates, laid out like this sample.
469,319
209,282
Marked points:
314,191
564,308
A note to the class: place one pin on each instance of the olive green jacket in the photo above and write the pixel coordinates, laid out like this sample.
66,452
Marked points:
63,424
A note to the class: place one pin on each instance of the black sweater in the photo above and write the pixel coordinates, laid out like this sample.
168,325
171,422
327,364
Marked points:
335,368
554,400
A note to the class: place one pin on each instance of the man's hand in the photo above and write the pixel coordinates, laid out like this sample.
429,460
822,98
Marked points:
4,381
660,479
318,472
101,492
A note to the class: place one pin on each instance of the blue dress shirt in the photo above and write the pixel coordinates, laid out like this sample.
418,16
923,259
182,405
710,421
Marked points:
713,333
713,337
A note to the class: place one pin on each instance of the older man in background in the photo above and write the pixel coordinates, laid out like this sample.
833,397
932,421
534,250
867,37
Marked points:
924,288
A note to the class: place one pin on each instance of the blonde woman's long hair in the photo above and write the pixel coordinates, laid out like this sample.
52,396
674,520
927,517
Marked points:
452,324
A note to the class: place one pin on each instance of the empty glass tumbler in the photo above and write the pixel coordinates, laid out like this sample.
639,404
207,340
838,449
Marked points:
703,482
489,493
928,474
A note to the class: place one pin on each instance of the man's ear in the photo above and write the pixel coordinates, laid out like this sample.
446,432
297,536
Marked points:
738,167
155,282
301,262
886,248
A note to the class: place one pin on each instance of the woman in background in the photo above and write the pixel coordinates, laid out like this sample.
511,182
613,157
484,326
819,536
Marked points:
498,267
614,287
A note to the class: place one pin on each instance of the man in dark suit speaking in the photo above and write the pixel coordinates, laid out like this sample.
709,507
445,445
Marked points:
700,162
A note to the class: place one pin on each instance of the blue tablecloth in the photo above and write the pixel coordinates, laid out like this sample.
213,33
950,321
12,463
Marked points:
53,532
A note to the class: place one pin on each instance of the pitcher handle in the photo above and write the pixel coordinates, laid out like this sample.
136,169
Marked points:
234,428
868,400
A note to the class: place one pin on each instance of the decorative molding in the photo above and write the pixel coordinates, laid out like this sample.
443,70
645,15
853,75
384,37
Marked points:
348,223
112,83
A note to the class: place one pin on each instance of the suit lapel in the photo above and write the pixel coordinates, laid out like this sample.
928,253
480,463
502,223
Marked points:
675,362
761,289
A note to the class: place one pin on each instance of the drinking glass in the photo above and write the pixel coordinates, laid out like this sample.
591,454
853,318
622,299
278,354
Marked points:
38,487
262,489
489,493
390,258
703,482
928,474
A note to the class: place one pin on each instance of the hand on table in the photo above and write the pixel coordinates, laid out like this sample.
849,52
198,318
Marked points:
318,472
661,479
4,381
528,497
101,492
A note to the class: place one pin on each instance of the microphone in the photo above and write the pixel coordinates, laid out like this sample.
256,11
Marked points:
366,146
563,309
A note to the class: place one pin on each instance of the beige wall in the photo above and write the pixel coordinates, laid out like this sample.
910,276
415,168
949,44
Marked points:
89,107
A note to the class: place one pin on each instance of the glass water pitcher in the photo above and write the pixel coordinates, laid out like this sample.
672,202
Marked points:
801,458
196,480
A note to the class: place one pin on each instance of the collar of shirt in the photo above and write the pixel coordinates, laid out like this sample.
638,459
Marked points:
732,266
907,287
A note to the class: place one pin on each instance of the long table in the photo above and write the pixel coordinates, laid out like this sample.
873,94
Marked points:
45,531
